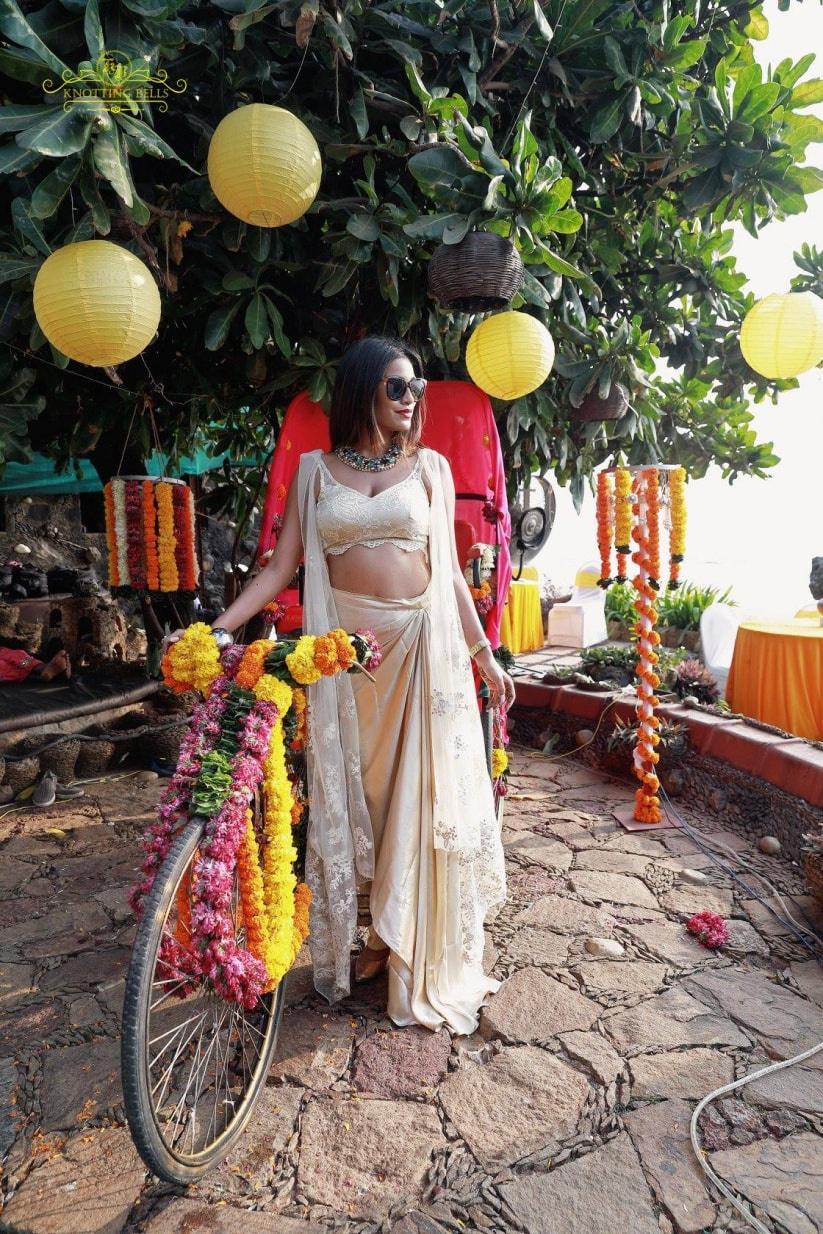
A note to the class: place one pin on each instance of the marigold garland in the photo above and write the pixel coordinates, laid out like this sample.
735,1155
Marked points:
605,525
150,535
677,534
236,743
167,542
645,488
622,521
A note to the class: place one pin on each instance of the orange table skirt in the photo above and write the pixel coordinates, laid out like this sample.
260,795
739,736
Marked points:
776,675
521,625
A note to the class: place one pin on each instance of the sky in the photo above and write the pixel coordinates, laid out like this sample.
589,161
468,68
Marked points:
757,535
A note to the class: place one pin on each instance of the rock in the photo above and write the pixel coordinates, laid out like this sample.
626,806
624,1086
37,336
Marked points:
583,737
593,1050
146,777
404,1063
618,888
745,1124
532,945
531,1006
540,850
566,916
670,942
798,1088
600,1193
30,1023
63,931
79,1082
84,1011
782,1021
628,976
300,980
11,1117
89,969
683,1073
650,845
697,877
418,1223
744,939
671,1019
769,845
183,1216
532,882
781,1177
312,1049
15,984
809,976
611,861
660,1133
690,900
115,899
608,948
249,1166
523,1101
88,1188
359,1156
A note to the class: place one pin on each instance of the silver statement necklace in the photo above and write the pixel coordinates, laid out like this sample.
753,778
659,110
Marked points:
362,463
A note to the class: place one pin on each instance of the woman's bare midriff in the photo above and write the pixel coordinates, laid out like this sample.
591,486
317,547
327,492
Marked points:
385,571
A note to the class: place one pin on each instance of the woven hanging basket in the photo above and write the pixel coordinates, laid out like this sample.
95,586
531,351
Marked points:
612,407
481,273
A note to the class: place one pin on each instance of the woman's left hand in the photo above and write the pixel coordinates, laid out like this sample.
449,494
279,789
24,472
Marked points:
501,686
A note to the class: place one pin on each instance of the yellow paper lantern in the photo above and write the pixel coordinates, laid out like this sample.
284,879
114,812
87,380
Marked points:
782,335
264,165
96,302
509,355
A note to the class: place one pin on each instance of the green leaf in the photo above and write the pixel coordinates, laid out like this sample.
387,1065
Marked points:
218,324
541,21
14,116
759,101
237,281
57,134
256,320
13,267
276,321
566,222
147,141
13,159
559,264
364,226
93,30
614,59
687,54
52,188
804,95
807,179
758,25
357,108
87,183
27,227
430,226
17,29
606,120
108,159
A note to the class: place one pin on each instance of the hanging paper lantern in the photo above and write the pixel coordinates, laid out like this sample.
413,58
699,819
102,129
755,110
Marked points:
96,302
782,335
150,534
264,165
509,355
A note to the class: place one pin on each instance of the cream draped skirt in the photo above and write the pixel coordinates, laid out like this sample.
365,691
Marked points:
415,894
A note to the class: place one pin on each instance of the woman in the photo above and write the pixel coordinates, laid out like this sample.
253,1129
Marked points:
401,807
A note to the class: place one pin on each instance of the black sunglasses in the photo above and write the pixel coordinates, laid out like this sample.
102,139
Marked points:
396,387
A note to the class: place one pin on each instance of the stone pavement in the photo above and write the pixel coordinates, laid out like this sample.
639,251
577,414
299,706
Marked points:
567,1112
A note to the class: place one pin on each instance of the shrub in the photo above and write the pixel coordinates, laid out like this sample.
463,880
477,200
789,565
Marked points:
682,609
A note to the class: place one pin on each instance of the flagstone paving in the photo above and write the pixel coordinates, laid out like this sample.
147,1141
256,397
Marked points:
567,1111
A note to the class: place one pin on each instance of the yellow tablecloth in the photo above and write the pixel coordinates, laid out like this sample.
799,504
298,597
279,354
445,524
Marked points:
521,623
777,675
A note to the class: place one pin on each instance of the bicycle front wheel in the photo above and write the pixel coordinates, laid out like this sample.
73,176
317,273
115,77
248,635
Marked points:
193,1064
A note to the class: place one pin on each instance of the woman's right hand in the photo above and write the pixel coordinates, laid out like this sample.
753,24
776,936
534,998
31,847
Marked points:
168,639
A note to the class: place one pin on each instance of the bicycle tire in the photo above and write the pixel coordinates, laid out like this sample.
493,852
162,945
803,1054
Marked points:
161,1157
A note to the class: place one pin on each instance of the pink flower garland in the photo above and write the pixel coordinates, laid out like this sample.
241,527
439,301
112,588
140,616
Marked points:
710,928
234,972
201,737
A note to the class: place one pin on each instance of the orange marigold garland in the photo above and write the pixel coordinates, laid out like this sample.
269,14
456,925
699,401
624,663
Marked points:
605,525
183,500
645,535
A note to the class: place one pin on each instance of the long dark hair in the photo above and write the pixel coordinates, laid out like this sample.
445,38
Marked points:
351,416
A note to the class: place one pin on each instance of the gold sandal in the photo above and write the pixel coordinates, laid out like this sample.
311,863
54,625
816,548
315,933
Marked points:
370,963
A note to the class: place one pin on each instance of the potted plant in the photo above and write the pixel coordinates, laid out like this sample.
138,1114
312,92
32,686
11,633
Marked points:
494,213
620,612
679,612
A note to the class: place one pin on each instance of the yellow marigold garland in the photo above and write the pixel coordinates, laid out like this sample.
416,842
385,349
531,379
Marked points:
193,662
500,761
300,662
677,535
167,542
622,521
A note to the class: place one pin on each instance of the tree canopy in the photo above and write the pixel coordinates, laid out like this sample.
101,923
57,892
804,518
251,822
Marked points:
615,143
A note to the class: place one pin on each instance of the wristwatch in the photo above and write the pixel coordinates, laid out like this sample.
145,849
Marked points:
478,646
223,638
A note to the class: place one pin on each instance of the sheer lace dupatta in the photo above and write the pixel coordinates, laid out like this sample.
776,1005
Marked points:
340,848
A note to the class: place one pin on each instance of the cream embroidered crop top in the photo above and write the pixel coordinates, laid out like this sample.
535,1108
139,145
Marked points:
399,515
